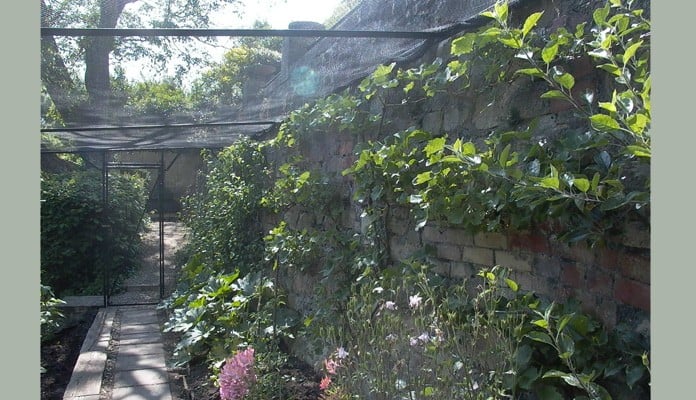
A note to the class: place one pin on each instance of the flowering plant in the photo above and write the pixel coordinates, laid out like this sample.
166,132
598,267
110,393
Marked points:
237,375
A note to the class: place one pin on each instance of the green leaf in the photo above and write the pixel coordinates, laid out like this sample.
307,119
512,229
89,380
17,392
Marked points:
468,149
535,72
541,323
510,42
582,184
463,44
595,181
633,374
504,156
549,53
631,51
422,178
603,122
554,94
611,107
531,22
540,337
435,146
610,68
600,15
512,284
409,86
550,182
566,80
568,378
639,151
501,10
637,123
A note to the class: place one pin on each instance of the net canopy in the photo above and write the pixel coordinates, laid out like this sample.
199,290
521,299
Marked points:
308,62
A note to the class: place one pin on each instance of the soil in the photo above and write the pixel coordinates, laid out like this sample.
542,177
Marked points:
59,355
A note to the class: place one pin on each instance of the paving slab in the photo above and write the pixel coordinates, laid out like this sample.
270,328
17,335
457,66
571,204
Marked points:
141,349
140,377
129,329
146,392
145,361
140,338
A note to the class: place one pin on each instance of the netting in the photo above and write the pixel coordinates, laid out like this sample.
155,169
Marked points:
313,65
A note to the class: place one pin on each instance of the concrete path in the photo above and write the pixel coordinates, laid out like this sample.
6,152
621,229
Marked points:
127,342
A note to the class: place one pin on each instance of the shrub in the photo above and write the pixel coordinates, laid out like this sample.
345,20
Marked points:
78,238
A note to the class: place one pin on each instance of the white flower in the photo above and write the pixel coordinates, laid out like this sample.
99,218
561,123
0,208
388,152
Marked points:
390,305
414,301
341,353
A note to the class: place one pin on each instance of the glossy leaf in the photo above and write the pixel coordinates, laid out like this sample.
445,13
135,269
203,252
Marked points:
548,54
554,94
603,122
531,22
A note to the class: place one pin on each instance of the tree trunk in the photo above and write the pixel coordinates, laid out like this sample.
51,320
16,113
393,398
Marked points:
97,74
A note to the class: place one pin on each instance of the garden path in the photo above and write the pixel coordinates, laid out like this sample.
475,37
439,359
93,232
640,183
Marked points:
123,355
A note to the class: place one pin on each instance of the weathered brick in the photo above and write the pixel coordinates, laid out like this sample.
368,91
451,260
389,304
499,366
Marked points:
635,267
462,270
491,240
449,252
517,261
636,235
478,256
397,226
578,252
401,249
441,267
599,281
525,280
528,241
455,237
432,121
571,275
547,266
633,293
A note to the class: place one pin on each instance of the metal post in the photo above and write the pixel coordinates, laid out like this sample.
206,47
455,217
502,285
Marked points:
161,224
105,238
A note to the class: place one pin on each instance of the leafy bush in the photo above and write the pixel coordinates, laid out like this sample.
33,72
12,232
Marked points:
223,215
79,239
411,334
51,317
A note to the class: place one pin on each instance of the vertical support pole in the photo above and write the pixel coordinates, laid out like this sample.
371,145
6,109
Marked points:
105,238
161,224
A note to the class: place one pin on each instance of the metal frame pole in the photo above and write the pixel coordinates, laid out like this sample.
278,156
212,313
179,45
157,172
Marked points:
105,222
161,223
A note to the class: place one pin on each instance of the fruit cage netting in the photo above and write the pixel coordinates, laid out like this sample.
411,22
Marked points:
315,63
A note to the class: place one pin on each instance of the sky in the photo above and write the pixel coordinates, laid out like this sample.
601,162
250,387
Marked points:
279,13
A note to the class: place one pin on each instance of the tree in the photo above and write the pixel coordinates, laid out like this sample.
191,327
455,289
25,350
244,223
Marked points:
224,83
89,100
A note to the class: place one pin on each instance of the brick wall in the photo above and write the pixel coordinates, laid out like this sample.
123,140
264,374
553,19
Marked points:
612,283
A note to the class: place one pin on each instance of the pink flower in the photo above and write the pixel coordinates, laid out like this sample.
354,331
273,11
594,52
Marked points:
236,375
330,366
325,382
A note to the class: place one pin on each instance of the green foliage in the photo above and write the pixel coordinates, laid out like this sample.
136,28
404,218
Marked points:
51,317
412,334
162,99
223,216
79,239
589,180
